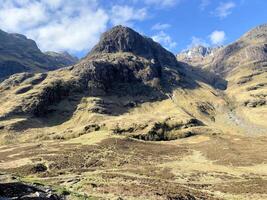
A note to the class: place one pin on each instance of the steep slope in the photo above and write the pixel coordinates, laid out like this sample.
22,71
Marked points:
120,81
243,64
117,80
245,68
249,49
125,123
123,39
19,54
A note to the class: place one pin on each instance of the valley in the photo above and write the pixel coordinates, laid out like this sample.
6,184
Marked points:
130,121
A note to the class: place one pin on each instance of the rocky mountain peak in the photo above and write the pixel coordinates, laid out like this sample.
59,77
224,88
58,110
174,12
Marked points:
197,53
124,39
198,50
125,58
123,63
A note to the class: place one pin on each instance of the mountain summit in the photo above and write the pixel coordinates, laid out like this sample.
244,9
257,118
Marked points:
123,63
197,54
124,39
125,58
130,122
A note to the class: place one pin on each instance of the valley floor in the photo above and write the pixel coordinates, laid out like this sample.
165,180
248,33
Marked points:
102,166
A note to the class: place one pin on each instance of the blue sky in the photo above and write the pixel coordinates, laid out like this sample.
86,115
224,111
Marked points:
76,26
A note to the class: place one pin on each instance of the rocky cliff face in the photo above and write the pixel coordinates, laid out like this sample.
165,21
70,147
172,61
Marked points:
20,54
124,39
71,128
250,48
123,63
243,65
197,54
122,59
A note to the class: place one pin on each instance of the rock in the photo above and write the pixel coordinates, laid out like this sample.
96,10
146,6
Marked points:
24,89
38,168
124,39
206,108
255,103
18,190
244,50
15,80
256,87
133,104
169,129
123,63
91,128
244,79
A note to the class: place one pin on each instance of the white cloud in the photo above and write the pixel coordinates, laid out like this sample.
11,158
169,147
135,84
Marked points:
224,9
217,37
196,41
60,25
164,39
123,15
204,4
22,16
160,26
73,27
162,3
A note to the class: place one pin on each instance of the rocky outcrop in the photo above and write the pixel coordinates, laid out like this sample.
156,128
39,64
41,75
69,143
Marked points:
124,74
20,54
124,39
12,188
123,63
124,59
255,102
163,130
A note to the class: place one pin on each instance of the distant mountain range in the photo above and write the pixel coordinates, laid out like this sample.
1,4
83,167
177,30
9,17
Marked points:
20,54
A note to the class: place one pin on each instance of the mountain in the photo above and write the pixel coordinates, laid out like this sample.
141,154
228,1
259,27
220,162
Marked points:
124,39
243,65
64,58
129,121
20,54
249,49
114,70
197,54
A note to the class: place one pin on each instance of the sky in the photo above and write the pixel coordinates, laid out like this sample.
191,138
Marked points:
76,25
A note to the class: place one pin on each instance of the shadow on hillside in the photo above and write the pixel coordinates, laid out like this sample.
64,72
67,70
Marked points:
200,75
59,103
16,190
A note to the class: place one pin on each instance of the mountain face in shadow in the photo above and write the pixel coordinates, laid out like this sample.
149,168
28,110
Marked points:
20,54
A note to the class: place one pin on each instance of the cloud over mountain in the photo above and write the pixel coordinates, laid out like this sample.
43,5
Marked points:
59,25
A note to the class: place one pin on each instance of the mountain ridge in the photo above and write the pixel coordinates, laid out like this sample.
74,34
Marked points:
124,123
20,54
